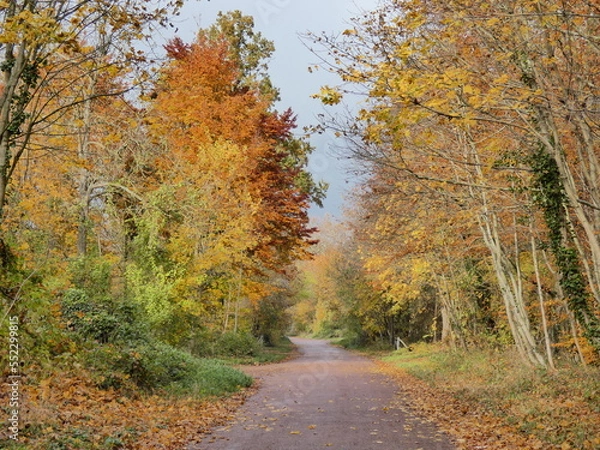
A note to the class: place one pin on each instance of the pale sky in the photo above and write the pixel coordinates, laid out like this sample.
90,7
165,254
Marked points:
281,21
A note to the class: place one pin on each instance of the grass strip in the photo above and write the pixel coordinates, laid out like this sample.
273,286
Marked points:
491,400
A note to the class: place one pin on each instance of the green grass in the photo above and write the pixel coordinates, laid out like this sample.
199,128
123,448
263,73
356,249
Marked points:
420,362
216,377
11,445
210,377
280,351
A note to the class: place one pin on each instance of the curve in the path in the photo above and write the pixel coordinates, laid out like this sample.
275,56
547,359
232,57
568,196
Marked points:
325,398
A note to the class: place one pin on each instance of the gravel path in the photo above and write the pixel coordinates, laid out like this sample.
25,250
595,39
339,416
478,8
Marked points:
325,398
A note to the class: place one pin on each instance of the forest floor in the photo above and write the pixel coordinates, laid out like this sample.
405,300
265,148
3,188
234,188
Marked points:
69,412
492,401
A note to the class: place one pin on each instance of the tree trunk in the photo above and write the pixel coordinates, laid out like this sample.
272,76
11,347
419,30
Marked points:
15,58
511,289
540,292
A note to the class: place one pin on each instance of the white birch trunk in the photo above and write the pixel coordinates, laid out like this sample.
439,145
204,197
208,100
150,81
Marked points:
511,288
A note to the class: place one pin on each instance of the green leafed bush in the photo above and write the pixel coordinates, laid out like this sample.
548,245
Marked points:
225,345
99,319
236,344
155,365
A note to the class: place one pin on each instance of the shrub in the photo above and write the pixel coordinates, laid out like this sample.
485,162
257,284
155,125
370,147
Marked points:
224,345
100,320
236,344
158,365
352,340
155,365
201,344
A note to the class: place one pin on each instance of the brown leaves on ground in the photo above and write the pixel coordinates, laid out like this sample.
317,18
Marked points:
72,412
471,426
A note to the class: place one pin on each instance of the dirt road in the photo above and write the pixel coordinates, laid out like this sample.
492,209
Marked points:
326,398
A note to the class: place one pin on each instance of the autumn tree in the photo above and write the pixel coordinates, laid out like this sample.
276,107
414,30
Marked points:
462,97
248,49
233,191
282,183
45,42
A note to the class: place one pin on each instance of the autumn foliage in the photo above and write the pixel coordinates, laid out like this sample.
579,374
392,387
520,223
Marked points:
142,234
479,141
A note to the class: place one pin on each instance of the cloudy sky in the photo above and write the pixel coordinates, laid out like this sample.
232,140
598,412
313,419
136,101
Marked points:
283,21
